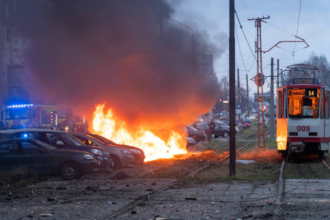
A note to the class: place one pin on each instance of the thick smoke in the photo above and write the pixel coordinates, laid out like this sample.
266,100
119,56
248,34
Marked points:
87,52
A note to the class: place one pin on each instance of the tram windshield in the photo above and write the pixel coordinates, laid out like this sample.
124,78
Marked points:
303,103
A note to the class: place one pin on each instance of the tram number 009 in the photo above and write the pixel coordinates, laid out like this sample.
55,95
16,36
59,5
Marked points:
303,128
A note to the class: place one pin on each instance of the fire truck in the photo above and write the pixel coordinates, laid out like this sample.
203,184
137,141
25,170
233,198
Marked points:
42,116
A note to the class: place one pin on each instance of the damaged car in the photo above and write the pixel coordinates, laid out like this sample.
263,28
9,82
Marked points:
46,159
121,156
61,140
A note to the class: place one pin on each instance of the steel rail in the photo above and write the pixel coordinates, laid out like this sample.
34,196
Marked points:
142,199
326,164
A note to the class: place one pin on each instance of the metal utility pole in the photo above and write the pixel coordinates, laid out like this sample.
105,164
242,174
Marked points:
278,74
247,91
238,93
272,124
259,80
232,132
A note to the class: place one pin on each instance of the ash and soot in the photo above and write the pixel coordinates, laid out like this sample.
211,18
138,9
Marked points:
139,85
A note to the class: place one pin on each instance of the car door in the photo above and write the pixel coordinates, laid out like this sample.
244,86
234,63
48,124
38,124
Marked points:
217,130
9,157
33,156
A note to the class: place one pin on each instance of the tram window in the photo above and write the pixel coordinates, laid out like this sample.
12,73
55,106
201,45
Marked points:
326,105
321,104
285,103
279,104
303,105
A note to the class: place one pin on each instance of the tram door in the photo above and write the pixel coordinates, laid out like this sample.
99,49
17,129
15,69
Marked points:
327,113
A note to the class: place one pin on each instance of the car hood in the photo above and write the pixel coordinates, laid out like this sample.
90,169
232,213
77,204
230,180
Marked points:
83,148
68,151
131,147
115,146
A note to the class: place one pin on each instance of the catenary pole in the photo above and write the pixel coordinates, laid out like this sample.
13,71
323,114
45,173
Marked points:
247,92
272,124
232,137
278,74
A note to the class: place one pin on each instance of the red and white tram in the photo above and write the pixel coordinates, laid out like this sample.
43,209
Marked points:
302,113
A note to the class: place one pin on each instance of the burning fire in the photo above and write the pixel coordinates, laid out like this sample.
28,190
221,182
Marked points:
153,146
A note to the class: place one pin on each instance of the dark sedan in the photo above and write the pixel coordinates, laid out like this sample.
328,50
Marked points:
37,155
61,140
138,153
121,156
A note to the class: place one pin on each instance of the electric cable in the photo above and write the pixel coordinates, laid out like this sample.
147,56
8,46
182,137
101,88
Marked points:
239,47
240,25
278,28
294,46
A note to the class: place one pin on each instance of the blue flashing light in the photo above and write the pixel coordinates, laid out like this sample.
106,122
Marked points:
25,135
20,106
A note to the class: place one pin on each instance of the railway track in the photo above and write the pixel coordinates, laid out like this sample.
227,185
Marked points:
281,181
144,198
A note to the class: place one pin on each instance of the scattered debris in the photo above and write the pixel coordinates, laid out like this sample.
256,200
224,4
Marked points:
10,193
46,215
50,199
120,176
245,161
104,188
60,188
191,198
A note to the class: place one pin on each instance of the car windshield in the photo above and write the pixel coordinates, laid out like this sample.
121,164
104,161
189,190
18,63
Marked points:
66,138
101,139
304,103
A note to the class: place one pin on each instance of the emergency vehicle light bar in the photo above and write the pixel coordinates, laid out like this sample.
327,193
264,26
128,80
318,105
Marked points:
20,106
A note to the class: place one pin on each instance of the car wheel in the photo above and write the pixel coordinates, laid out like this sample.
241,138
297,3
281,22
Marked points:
225,134
70,171
116,163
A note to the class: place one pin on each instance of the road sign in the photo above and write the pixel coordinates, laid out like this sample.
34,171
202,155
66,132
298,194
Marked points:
259,79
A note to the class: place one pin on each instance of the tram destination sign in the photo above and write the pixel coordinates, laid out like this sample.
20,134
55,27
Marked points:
311,92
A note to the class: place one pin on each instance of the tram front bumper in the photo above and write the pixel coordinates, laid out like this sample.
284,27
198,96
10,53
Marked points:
297,147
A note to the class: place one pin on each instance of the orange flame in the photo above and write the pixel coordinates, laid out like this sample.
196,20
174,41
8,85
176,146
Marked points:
153,146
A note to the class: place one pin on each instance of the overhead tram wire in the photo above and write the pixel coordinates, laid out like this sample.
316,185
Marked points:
278,28
239,47
294,46
240,25
240,51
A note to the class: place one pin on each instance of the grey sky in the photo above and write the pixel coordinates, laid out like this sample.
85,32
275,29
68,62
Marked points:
212,16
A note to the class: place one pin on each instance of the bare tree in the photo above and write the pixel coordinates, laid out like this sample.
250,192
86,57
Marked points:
321,62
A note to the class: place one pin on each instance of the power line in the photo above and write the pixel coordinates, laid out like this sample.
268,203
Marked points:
278,28
239,47
240,25
294,46
221,52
